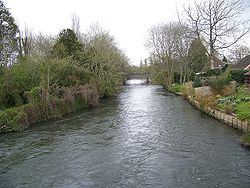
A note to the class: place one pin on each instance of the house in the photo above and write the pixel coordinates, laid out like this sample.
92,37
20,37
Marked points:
218,64
247,78
244,63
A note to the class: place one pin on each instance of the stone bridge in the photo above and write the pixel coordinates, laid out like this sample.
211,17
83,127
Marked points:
137,78
142,76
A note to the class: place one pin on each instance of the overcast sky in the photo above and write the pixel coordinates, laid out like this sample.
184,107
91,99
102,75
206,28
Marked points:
127,20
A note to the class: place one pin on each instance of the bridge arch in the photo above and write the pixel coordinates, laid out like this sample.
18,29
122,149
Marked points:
143,78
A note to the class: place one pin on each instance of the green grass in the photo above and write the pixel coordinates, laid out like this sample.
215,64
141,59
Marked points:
240,103
243,110
176,88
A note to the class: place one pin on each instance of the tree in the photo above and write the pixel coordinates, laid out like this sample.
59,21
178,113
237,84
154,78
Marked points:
169,49
145,63
67,44
105,61
218,22
75,24
197,56
141,64
24,43
238,52
8,36
42,45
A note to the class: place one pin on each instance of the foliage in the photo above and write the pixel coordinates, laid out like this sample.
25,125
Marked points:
225,68
67,44
175,88
16,80
197,56
13,119
217,23
243,111
212,72
237,75
8,36
53,80
238,103
197,82
218,83
228,109
208,101
188,89
169,49
230,100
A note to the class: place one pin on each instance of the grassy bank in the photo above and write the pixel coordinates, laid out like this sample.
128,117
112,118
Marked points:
235,102
72,99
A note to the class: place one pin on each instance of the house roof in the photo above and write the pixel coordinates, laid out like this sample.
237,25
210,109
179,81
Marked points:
243,63
218,64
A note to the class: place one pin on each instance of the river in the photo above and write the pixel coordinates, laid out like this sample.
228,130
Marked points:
144,137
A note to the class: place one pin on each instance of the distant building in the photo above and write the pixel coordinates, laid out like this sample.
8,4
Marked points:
218,64
247,78
244,63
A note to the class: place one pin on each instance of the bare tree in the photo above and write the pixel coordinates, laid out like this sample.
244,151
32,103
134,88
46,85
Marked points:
42,45
169,47
75,24
24,42
219,22
238,52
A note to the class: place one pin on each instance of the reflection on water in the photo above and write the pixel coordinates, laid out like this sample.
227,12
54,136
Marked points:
141,138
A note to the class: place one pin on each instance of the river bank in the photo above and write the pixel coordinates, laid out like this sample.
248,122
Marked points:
72,99
230,119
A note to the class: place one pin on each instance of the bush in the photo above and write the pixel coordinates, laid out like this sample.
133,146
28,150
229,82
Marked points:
237,75
176,88
218,83
13,119
208,101
188,89
228,109
212,72
197,82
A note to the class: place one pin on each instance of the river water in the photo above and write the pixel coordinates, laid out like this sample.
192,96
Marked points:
144,137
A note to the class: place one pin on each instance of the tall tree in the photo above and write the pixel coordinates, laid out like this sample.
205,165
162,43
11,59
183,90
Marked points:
8,36
198,59
169,48
24,43
219,22
67,45
75,24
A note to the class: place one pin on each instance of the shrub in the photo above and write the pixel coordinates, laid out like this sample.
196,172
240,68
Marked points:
229,89
212,72
188,89
228,109
13,119
237,75
176,77
197,82
208,101
176,88
218,83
